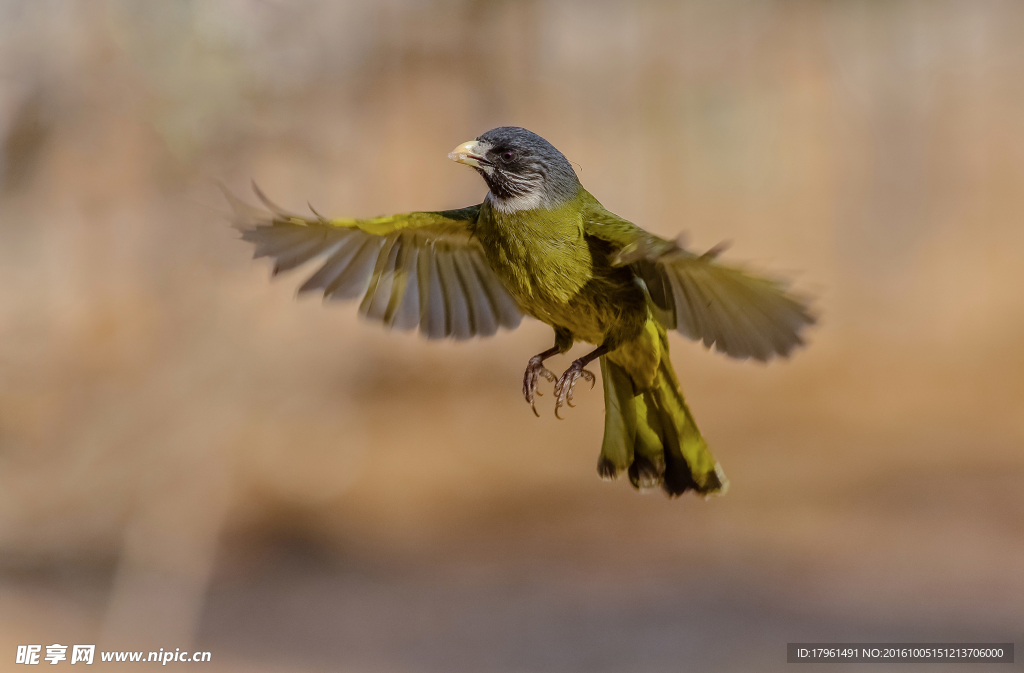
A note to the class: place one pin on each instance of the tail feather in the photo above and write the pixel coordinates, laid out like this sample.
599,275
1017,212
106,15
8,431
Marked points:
648,468
619,421
651,435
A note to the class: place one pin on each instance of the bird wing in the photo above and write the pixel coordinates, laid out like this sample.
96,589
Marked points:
412,270
742,315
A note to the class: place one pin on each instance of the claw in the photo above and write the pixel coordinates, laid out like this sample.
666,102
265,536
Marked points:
534,370
564,385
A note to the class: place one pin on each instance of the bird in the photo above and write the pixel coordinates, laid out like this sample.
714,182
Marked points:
541,245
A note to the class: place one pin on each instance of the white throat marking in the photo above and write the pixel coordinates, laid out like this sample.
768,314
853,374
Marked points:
514,204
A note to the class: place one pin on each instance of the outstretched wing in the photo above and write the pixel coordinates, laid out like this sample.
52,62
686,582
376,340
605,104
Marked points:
743,315
413,270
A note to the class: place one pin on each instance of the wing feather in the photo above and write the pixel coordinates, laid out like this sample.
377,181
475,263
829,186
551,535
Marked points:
336,263
778,320
432,304
736,330
273,242
688,322
459,320
378,295
407,315
302,253
740,314
484,321
355,277
506,310
422,269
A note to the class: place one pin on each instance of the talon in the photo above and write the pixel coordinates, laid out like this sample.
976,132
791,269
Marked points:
534,370
565,384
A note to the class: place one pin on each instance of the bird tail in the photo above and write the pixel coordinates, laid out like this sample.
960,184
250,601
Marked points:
651,435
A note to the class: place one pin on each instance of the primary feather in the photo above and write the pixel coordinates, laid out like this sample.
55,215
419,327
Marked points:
420,269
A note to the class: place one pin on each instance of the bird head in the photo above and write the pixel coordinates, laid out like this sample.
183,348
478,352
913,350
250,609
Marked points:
522,170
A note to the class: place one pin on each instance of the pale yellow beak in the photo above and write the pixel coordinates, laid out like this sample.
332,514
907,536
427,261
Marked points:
469,153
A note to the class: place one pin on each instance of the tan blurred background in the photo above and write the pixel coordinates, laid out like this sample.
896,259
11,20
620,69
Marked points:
189,457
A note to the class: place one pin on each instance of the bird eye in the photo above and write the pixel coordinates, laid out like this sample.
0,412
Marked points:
508,155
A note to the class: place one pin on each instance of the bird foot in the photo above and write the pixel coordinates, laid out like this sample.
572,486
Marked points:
534,370
566,382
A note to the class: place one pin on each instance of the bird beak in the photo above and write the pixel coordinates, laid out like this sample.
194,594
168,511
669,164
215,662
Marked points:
470,153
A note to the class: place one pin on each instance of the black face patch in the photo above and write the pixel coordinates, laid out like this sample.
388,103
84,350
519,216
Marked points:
521,162
508,159
506,183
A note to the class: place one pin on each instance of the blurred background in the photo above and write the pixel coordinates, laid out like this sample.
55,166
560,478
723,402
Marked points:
190,457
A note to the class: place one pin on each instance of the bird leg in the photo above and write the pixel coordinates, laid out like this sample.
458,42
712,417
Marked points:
534,370
535,367
576,371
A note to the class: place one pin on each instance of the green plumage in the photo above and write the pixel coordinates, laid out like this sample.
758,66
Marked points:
560,270
560,266
541,245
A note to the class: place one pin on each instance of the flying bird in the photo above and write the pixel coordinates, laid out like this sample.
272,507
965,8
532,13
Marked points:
541,245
